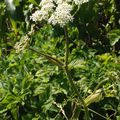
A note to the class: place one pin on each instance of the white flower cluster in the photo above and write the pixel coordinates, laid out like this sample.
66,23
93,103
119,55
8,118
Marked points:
22,44
56,12
61,15
43,14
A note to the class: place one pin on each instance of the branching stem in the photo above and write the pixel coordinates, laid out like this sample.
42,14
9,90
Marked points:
69,75
65,67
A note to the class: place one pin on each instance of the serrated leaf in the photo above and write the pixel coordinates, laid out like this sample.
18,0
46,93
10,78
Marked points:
77,64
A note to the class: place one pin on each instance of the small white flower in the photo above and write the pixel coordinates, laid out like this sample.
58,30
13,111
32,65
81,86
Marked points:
36,16
39,15
61,1
43,14
61,15
44,2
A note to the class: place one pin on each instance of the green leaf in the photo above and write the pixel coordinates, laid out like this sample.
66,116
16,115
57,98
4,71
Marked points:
17,2
118,117
2,111
33,2
14,112
114,36
14,25
78,63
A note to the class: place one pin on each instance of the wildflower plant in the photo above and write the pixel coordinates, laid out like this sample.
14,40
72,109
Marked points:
54,74
59,12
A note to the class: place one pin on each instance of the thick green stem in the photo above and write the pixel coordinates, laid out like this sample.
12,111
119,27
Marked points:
69,75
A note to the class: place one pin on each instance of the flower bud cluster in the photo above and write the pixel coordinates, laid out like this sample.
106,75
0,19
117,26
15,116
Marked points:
22,44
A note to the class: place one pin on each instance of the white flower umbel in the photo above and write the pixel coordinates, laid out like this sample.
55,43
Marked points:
40,15
36,16
62,15
56,12
43,14
47,5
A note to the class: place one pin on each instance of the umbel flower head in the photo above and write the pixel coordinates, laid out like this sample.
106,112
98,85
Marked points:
61,15
56,12
43,14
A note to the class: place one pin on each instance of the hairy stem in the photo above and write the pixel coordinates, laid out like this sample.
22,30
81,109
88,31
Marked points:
69,75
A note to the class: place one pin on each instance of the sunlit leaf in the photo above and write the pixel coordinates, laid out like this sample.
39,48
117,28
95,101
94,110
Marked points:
114,36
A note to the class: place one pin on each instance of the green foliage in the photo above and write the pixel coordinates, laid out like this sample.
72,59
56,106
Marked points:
33,83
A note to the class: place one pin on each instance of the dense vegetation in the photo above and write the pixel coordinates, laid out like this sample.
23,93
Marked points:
50,72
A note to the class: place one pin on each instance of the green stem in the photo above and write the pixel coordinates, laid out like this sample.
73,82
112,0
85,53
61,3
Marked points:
66,47
69,75
77,93
65,67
